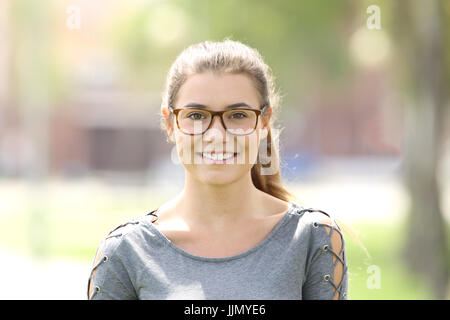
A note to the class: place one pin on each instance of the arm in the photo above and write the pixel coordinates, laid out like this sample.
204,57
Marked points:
109,278
326,273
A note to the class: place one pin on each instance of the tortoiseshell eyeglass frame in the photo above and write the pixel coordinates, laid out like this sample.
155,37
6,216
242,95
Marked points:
258,112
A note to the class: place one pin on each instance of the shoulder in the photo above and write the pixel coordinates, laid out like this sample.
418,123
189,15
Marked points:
106,255
127,232
319,223
314,217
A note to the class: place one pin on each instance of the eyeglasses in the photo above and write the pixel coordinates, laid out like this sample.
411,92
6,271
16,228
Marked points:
240,121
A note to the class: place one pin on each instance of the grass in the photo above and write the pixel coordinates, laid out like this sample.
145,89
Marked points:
71,222
383,275
68,221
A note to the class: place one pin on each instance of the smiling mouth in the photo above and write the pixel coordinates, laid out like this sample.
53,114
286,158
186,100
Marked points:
217,158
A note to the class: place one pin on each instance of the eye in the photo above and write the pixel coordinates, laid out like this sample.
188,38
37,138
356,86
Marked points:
195,116
239,115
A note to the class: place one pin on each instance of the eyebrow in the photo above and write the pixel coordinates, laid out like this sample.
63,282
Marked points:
231,106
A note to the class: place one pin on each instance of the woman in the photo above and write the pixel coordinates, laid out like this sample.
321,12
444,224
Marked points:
233,232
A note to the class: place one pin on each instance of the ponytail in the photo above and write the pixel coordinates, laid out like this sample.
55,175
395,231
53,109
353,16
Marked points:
266,177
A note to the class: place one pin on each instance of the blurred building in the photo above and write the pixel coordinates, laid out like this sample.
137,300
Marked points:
107,132
364,121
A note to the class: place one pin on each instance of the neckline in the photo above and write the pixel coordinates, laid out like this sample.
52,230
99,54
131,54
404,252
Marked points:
259,245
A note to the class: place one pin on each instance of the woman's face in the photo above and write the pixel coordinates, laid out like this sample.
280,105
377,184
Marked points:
216,92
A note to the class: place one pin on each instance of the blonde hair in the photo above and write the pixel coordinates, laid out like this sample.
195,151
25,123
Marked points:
234,57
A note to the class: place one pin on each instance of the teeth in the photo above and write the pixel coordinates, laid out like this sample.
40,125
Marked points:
220,156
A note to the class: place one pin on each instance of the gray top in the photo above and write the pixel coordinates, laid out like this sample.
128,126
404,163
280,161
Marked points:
295,260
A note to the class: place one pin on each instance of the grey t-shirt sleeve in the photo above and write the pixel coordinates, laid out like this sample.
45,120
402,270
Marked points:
111,280
323,260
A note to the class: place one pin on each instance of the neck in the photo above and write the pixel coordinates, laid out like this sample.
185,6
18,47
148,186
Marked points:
217,204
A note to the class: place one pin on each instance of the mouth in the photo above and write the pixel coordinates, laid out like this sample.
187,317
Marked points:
217,158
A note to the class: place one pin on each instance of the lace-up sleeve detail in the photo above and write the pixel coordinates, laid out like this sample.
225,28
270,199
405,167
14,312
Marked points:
326,270
109,279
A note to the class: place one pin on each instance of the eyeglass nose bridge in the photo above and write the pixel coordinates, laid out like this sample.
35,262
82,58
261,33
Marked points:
220,115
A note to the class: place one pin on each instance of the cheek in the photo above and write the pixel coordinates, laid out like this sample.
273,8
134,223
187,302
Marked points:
187,146
183,143
180,139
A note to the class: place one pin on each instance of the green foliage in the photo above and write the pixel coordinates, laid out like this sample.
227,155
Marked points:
294,37
384,243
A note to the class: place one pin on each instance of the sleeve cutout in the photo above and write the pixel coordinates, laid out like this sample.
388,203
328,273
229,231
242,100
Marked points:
331,244
97,262
337,251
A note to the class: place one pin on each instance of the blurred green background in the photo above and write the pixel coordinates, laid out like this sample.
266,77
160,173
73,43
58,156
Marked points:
364,118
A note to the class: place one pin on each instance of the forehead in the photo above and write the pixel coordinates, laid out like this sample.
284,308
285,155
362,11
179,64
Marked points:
218,90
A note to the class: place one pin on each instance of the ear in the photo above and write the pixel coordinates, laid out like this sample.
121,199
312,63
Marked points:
265,120
169,125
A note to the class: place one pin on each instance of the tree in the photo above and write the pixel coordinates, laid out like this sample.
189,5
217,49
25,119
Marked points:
421,39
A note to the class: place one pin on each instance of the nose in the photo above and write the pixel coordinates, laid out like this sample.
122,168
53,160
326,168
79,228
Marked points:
217,127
